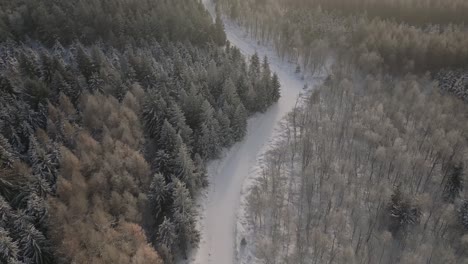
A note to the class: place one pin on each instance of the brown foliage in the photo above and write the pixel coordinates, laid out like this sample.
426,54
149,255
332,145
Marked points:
100,190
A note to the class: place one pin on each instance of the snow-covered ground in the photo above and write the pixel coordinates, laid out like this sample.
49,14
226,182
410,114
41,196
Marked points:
222,221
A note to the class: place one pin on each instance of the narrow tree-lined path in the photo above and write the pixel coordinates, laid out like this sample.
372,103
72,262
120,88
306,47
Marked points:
228,174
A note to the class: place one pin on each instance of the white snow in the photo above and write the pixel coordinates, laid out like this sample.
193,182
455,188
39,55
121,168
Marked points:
222,222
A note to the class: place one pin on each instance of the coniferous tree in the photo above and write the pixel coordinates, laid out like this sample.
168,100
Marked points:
275,88
157,195
167,235
220,35
266,83
208,141
239,123
254,69
28,65
9,250
184,217
454,184
463,214
154,113
168,145
7,156
34,245
186,170
225,128
402,212
85,64
177,119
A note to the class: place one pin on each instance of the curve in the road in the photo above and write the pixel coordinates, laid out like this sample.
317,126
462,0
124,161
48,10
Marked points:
218,221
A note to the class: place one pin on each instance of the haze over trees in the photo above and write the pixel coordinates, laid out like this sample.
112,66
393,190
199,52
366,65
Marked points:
108,112
372,167
308,29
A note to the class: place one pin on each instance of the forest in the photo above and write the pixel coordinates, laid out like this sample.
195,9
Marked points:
396,47
371,168
109,111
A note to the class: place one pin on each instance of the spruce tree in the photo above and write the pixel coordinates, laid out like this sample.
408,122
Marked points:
158,193
454,184
154,114
219,34
177,119
254,69
266,71
168,145
208,139
275,88
9,250
85,64
184,217
225,128
7,155
463,214
402,212
239,123
167,235
186,170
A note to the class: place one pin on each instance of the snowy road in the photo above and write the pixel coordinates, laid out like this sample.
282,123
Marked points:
227,175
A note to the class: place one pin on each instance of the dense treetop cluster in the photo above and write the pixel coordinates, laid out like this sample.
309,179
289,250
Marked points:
416,12
365,32
368,171
112,22
108,112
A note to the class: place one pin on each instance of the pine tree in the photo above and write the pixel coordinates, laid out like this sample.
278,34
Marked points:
158,193
254,69
9,250
37,93
266,85
7,155
47,67
186,170
298,69
36,208
229,93
177,119
59,85
225,128
192,108
454,184
7,87
402,212
168,139
184,217
45,163
167,235
154,113
463,214
167,145
85,64
208,138
219,34
28,65
239,123
95,83
33,244
266,69
275,90
243,88
201,170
